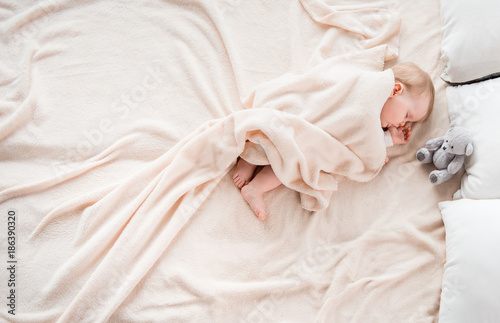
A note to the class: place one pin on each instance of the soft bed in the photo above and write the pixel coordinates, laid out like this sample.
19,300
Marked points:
120,124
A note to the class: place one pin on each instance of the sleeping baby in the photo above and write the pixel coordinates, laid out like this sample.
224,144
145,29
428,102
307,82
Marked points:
411,100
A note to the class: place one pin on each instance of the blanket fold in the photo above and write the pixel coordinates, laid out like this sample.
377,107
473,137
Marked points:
313,124
338,103
310,127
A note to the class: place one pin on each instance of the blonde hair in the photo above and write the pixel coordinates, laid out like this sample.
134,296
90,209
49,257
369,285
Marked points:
416,81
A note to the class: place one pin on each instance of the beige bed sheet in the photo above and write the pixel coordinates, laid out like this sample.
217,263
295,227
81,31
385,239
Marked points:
93,96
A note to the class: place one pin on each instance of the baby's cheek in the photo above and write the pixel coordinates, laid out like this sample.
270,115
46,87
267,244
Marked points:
401,117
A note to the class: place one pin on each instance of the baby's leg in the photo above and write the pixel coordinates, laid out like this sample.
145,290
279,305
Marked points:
264,181
243,173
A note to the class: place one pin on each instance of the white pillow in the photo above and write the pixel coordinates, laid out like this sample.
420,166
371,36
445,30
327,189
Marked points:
471,280
477,107
470,43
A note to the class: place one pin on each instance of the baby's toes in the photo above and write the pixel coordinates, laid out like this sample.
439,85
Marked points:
236,180
241,183
261,215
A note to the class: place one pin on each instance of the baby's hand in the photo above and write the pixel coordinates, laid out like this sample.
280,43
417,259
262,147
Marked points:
400,135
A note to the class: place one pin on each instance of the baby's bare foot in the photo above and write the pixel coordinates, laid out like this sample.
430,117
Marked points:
243,173
255,199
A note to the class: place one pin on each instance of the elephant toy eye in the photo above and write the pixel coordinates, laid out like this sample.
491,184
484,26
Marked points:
446,140
451,147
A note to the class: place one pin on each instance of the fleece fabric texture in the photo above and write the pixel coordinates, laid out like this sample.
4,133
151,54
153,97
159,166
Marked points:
322,124
120,125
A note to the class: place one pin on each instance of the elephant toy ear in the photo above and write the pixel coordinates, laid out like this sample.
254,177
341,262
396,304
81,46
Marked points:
469,149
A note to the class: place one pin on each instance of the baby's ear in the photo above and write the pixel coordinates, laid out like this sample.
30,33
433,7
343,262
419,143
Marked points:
398,89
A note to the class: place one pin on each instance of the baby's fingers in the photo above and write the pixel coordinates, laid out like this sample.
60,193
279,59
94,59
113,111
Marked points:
408,135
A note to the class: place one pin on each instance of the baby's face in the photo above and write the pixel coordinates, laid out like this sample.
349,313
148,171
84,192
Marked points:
402,107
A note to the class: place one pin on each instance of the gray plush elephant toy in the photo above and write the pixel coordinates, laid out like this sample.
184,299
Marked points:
447,153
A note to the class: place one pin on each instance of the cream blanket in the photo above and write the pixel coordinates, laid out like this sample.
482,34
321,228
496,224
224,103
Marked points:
121,123
328,125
